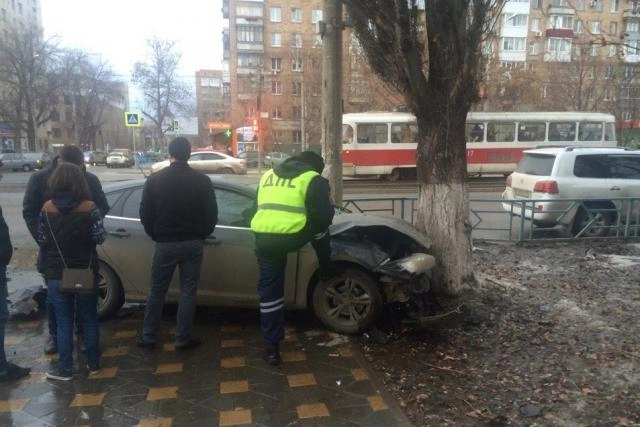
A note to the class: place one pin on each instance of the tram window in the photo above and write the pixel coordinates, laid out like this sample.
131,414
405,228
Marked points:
609,132
405,133
501,132
373,133
347,134
590,131
528,131
474,132
562,131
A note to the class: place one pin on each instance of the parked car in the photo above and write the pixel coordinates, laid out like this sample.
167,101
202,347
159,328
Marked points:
376,260
277,158
252,159
210,162
95,157
25,161
597,176
119,160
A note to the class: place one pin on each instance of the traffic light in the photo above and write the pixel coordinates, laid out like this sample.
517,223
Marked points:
227,133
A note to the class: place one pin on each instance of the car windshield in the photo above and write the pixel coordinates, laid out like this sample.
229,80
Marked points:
536,164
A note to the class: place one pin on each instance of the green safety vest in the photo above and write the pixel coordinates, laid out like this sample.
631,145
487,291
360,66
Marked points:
281,207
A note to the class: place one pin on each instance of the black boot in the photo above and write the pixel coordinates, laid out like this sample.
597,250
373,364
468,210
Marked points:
272,354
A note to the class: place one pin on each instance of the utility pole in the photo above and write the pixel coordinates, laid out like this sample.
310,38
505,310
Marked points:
331,32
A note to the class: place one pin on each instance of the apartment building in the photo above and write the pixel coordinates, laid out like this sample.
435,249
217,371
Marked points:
272,52
16,14
565,55
213,108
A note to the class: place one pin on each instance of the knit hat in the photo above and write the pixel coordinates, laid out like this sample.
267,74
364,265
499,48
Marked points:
180,149
313,159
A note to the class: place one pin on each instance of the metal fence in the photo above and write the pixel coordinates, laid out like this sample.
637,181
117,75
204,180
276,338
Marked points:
497,219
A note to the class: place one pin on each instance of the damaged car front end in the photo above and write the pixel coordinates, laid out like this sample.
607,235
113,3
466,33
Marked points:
380,264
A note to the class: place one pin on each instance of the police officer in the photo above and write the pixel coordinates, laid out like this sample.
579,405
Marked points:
293,208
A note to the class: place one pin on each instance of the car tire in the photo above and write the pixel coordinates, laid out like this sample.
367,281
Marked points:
110,292
26,168
227,171
599,227
350,302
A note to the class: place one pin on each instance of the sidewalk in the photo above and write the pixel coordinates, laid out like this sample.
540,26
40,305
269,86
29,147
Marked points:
324,380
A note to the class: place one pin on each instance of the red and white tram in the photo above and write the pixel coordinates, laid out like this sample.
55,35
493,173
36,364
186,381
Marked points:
384,143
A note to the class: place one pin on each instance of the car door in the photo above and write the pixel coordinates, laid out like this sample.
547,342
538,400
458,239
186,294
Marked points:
127,247
229,269
624,180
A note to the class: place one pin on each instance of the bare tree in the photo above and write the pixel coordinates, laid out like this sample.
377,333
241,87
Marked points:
433,59
93,89
33,72
164,94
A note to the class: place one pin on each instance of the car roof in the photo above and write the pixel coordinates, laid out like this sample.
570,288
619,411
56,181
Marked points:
244,183
583,150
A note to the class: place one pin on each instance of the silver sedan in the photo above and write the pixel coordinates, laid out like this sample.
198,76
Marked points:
210,162
376,260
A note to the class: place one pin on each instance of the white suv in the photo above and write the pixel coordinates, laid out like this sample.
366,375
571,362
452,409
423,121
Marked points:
595,178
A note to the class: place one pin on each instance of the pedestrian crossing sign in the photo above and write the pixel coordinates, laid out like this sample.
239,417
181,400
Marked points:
132,119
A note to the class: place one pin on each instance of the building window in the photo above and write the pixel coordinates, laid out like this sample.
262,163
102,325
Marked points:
559,3
578,27
626,116
297,112
558,46
277,113
595,27
536,4
516,20
561,21
296,14
611,50
613,28
614,6
276,64
55,116
632,47
297,88
632,27
534,49
628,72
276,39
579,4
249,60
513,43
275,14
296,64
535,24
249,11
594,50
296,136
57,133
296,40
316,15
609,71
276,87
317,40
596,5
249,34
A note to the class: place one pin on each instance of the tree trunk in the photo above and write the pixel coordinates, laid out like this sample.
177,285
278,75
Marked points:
443,205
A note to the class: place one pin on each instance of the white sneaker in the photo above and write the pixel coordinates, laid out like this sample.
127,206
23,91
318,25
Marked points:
60,376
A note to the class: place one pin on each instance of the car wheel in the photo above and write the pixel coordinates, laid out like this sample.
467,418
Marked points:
599,227
110,292
349,302
227,171
26,168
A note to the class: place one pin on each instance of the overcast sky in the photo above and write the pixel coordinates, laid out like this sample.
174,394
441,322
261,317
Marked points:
118,30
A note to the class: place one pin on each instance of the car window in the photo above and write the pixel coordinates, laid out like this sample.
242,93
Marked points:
625,167
591,167
562,131
501,132
196,156
372,133
536,164
590,131
234,209
115,208
531,131
131,207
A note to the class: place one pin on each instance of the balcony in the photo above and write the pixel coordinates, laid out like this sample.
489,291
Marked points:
557,57
251,46
632,13
555,10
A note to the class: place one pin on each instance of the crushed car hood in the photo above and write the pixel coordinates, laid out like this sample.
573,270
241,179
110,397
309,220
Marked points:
343,222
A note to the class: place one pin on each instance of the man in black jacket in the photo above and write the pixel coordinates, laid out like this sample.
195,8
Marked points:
36,194
178,211
8,371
